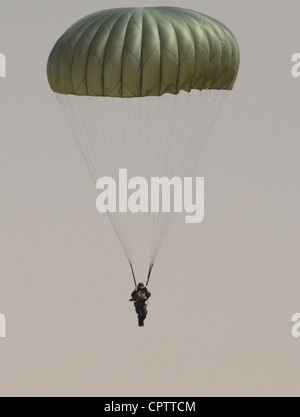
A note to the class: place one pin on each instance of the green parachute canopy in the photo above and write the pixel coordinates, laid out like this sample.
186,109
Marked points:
138,52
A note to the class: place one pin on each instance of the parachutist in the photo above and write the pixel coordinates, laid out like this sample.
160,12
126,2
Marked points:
133,102
140,295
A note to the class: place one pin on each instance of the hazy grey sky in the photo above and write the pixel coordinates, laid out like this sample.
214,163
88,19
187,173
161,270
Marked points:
223,291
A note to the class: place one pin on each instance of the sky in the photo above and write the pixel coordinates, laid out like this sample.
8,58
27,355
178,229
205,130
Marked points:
223,291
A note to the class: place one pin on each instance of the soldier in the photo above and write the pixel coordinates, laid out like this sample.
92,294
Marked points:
140,295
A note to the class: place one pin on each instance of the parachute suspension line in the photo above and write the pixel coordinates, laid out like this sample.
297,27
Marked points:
149,274
114,139
165,220
199,135
159,149
110,162
133,112
65,105
105,164
197,116
178,120
112,155
133,274
75,112
165,132
155,169
79,111
151,137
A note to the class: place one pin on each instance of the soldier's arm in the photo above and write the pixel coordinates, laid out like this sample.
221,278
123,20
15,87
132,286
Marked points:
133,294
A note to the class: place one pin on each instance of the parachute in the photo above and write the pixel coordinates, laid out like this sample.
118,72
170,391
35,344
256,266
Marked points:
141,89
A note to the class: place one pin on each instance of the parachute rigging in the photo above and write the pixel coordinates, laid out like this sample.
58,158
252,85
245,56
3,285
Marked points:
141,89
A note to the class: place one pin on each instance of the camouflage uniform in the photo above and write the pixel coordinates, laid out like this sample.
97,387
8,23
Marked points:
140,303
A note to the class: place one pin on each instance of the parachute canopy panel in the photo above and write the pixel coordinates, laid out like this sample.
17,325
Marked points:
138,52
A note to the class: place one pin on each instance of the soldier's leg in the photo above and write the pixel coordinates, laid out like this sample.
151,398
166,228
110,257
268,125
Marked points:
144,312
139,312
